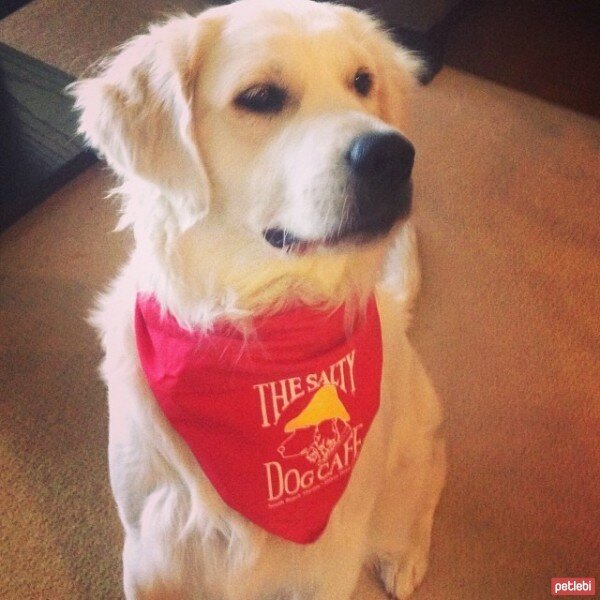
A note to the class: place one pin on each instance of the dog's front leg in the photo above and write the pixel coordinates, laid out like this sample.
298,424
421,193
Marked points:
405,508
408,508
415,466
157,562
152,498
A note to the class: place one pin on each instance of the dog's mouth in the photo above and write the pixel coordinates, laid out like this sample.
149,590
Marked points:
282,239
374,222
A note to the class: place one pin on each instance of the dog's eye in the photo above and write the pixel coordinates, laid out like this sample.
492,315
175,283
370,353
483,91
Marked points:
267,99
363,82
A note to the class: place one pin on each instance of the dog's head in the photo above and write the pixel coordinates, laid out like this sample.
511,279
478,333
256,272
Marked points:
276,121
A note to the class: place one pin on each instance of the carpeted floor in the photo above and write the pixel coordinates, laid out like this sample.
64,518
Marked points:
507,202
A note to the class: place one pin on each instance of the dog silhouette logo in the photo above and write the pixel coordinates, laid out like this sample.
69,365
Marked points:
320,428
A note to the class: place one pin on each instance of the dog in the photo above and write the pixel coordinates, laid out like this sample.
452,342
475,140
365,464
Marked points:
267,181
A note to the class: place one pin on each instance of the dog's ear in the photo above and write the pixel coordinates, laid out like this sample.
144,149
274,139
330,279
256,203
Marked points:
138,112
398,70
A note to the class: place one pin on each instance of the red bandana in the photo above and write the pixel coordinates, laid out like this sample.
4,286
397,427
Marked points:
275,420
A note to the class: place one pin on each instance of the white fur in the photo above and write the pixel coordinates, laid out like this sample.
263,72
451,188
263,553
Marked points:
201,180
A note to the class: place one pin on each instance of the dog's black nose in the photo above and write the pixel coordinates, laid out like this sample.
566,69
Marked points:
383,156
380,165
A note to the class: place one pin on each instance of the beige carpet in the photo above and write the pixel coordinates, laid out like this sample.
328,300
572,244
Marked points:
507,195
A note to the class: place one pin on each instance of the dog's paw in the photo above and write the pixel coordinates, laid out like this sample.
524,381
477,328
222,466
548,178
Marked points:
401,578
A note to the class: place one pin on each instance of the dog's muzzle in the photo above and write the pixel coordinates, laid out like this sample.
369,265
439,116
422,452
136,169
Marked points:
379,166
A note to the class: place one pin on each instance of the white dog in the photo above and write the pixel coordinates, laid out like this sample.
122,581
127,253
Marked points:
271,429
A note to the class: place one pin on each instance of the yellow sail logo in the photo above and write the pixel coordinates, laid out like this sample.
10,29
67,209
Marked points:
325,405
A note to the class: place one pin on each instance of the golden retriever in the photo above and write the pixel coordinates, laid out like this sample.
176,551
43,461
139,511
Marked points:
264,171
